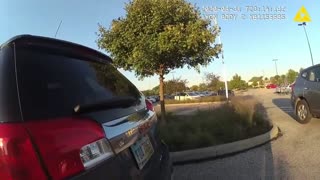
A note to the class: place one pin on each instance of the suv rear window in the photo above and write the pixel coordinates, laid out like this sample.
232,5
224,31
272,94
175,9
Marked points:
51,85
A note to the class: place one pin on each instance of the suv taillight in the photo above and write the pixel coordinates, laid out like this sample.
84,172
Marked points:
96,152
149,105
69,146
18,158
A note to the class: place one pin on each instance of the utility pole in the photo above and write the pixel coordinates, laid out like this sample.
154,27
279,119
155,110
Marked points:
175,91
304,27
58,29
275,63
223,64
173,74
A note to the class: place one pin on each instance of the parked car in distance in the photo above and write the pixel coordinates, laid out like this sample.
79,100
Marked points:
213,93
157,97
167,96
223,92
209,93
271,86
283,89
153,100
201,94
186,96
192,95
305,95
67,113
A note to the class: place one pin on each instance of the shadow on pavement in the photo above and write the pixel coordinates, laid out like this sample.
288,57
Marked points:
285,105
256,163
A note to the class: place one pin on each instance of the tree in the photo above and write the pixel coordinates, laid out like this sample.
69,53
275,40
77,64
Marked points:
237,83
194,88
283,79
175,85
213,82
148,92
202,87
266,79
156,89
257,80
157,36
291,75
300,70
276,79
255,83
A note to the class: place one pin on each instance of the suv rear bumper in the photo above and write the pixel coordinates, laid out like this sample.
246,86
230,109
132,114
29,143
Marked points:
120,167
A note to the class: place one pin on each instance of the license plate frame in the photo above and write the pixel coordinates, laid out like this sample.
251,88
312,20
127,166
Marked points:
142,151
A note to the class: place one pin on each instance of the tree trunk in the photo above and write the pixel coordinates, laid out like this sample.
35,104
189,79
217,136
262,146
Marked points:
163,110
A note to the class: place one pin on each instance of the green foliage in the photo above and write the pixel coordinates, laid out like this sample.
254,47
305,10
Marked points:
300,70
213,82
194,88
175,85
237,83
255,83
287,78
230,122
148,92
170,87
203,87
276,79
257,80
157,36
291,75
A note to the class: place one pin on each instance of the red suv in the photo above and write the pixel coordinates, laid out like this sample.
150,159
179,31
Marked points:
67,113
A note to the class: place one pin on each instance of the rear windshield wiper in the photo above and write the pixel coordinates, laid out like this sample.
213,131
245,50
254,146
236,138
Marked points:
118,102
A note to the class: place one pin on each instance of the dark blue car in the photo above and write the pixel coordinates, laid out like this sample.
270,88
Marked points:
305,94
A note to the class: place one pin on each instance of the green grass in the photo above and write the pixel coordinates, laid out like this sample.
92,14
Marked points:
240,119
203,99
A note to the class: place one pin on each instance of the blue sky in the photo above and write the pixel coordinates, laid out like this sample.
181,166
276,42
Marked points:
249,45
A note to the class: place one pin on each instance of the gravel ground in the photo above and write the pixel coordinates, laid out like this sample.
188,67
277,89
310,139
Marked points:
295,155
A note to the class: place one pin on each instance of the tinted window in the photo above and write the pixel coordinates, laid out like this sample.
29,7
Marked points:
9,104
304,74
51,85
314,74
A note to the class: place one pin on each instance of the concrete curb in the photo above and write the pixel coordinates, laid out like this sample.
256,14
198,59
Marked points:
213,152
185,104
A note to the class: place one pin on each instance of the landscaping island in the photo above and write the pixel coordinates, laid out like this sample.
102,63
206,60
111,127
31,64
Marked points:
241,118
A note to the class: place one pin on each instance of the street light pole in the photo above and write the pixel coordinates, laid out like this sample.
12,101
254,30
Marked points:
174,85
305,31
223,64
275,63
173,74
55,35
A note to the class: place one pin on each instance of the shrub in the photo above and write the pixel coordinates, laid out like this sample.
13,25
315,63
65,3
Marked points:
240,119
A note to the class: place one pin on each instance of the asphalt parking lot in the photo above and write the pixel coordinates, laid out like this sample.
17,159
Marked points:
295,155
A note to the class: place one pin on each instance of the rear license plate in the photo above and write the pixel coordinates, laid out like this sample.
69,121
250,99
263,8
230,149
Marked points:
142,151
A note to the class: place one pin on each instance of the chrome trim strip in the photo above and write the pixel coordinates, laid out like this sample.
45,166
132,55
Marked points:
126,134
